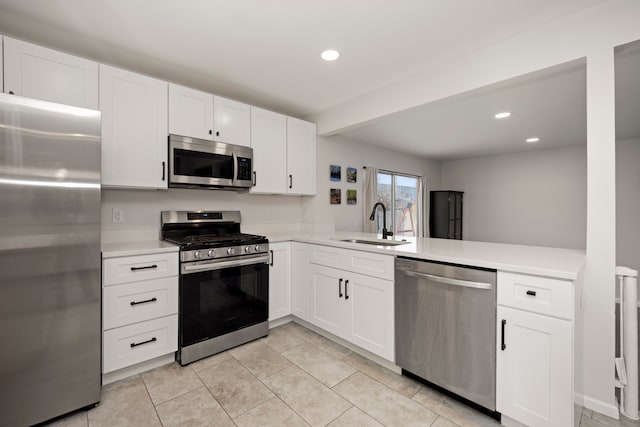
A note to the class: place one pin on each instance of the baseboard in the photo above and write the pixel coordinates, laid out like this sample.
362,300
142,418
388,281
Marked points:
281,321
362,352
578,399
604,408
138,368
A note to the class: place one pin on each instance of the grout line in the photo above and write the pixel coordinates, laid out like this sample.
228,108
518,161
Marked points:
214,398
151,400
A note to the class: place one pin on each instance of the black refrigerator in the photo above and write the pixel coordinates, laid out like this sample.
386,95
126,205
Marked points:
445,217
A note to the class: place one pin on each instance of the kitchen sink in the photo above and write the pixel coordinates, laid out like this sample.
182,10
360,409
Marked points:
376,242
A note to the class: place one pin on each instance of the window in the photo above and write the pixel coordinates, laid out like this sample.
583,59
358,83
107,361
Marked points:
400,195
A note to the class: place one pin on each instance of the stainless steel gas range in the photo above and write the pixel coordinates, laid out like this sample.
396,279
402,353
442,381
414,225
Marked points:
224,282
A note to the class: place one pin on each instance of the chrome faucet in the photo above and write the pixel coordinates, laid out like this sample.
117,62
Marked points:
385,233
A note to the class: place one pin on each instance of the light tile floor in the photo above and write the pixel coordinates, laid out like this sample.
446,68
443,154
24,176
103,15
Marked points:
293,377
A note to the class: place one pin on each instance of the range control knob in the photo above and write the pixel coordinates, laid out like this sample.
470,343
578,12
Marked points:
211,253
231,251
247,249
258,248
197,255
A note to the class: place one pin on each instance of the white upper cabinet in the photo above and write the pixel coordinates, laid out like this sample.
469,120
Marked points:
134,129
301,157
190,112
269,142
37,72
231,121
205,116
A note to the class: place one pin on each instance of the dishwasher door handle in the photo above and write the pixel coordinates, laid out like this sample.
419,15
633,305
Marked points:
448,281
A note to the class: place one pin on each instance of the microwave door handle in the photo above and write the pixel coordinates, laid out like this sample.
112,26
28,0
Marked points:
234,179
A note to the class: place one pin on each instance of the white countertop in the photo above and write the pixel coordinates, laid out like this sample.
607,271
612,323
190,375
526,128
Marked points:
542,261
537,260
113,250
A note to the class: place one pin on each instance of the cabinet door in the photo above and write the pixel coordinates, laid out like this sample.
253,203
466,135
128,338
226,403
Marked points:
300,279
269,142
231,121
190,112
301,157
280,280
328,306
371,320
134,129
534,377
37,72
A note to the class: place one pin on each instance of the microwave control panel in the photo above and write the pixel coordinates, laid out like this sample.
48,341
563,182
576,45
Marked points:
244,169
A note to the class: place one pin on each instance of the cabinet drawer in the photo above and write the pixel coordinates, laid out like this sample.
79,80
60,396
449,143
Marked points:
142,267
368,263
139,301
542,295
132,344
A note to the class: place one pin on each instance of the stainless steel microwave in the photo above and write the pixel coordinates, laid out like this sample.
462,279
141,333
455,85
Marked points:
199,163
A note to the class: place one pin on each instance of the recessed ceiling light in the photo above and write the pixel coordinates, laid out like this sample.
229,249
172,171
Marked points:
502,115
533,140
330,55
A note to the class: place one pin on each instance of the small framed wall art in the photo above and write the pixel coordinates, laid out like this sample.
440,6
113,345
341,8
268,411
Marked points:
352,174
335,196
352,197
335,173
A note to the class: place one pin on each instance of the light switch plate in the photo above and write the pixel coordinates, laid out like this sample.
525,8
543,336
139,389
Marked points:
117,215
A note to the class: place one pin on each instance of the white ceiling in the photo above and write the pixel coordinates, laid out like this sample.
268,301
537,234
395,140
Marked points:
267,53
549,104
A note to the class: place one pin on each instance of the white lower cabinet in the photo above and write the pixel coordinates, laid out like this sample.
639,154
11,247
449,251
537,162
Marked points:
139,308
139,342
279,280
534,359
353,306
329,309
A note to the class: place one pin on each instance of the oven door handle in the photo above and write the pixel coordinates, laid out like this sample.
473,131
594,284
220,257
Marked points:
217,265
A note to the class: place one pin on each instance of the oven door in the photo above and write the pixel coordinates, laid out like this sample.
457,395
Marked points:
194,162
222,297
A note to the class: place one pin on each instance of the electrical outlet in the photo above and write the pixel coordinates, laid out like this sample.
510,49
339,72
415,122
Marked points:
117,215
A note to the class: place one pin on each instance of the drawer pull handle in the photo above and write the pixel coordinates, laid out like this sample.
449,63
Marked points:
504,346
339,288
532,293
346,289
146,267
135,344
154,299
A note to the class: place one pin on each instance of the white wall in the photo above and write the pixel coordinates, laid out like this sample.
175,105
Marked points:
531,198
142,208
338,150
628,203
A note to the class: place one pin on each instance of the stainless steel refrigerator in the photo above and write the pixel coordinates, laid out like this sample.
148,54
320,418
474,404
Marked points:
50,291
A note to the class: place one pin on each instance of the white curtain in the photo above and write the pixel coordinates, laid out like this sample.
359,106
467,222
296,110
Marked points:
370,197
423,203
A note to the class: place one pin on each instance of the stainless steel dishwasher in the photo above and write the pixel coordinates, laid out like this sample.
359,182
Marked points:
446,327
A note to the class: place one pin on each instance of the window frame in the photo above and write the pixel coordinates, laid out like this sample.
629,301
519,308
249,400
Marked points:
391,210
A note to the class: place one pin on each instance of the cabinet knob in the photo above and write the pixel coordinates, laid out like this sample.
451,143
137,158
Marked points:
210,132
217,133
532,293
